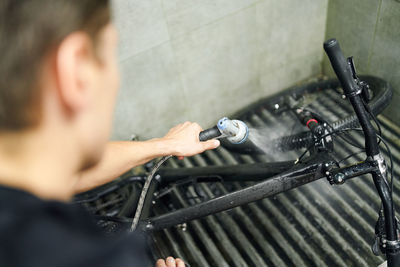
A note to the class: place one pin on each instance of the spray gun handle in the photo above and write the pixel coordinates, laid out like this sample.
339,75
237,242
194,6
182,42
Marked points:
209,134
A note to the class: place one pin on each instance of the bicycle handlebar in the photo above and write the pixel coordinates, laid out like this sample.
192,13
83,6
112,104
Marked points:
340,66
352,90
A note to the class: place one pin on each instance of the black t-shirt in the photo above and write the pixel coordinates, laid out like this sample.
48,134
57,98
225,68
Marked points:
34,232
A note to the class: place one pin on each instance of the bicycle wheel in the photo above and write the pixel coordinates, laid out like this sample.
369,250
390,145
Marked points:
381,96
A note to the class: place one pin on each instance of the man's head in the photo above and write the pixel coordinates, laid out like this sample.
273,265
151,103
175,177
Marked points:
58,70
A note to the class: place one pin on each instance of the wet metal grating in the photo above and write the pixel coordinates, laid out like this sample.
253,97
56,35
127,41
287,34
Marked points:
314,225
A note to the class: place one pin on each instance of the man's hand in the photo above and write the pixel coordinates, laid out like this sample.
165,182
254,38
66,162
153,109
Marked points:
184,140
170,262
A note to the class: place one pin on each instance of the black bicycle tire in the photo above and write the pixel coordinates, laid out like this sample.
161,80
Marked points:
382,94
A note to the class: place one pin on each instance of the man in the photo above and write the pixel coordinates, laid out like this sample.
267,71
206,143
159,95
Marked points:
58,82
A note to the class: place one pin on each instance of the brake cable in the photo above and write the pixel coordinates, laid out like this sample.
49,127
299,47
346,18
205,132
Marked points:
143,194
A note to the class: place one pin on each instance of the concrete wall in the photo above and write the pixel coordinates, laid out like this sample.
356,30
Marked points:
199,60
370,31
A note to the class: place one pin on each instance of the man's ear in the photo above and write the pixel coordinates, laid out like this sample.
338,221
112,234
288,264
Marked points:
74,70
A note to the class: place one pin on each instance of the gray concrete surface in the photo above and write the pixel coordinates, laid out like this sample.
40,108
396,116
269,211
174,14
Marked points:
200,60
370,31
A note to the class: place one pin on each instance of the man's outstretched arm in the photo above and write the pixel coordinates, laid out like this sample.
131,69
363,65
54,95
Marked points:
121,156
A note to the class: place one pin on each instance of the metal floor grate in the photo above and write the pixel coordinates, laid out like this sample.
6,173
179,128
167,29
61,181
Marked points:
314,225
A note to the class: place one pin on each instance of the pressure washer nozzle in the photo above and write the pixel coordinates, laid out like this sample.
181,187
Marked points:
236,131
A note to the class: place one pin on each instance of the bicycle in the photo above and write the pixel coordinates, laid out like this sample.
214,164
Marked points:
276,177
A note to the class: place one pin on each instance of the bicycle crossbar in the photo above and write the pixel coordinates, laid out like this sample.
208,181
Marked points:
299,175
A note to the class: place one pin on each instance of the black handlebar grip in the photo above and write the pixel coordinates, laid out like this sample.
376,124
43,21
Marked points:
340,66
209,134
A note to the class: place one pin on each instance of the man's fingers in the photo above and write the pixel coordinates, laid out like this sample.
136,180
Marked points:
179,263
161,263
210,144
197,126
170,262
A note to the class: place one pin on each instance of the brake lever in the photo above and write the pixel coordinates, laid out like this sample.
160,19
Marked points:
364,87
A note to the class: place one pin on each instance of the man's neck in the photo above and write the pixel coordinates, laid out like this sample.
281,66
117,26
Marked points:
37,162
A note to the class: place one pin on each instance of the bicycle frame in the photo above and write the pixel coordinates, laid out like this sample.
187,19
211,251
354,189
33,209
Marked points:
302,173
273,178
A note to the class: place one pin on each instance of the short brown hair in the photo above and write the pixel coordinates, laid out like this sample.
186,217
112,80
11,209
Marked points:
29,29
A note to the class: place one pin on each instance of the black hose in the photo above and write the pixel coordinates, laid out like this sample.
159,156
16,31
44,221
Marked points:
209,134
